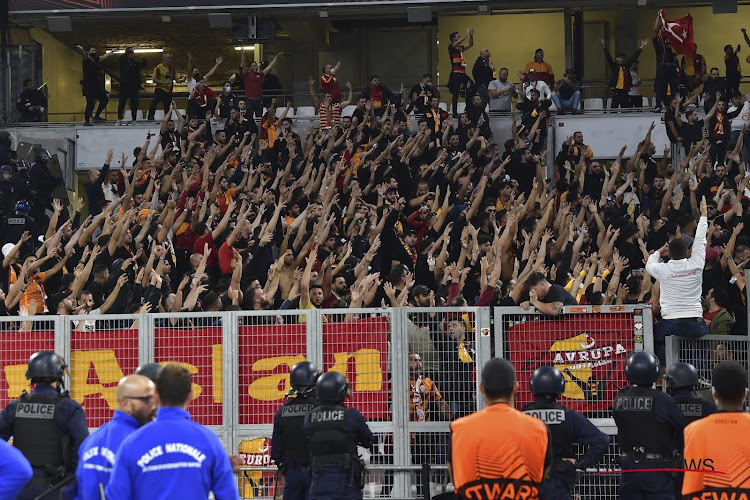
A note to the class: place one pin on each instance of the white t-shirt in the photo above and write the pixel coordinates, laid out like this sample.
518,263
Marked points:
542,87
682,280
634,78
88,325
742,119
190,85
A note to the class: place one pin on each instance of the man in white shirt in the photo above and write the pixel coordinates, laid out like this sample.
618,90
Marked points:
533,83
740,121
681,282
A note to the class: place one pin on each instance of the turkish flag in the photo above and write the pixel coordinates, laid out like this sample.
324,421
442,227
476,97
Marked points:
679,32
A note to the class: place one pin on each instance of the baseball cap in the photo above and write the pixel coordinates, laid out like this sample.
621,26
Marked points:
7,248
532,70
420,290
712,254
391,189
55,300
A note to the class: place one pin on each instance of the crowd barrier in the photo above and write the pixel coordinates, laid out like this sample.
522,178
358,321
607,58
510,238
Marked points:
240,363
706,352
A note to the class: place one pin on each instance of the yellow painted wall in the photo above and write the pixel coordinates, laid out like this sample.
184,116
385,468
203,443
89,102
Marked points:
712,33
507,37
61,69
608,16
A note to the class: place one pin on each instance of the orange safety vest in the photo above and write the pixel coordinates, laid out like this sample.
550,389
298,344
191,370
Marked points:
498,452
718,444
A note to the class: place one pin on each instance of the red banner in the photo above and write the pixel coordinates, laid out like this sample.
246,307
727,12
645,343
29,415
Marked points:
590,351
359,349
266,354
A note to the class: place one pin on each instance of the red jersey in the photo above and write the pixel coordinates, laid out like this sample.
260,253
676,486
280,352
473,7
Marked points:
253,84
329,83
213,259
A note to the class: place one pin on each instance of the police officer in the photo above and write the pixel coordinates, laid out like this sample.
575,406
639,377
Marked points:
682,380
150,370
288,444
566,427
44,182
7,193
136,407
18,223
333,433
649,427
47,426
172,457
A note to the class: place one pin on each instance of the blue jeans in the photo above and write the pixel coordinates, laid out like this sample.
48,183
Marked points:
567,104
684,328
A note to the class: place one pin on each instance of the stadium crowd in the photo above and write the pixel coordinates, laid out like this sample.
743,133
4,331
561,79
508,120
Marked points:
364,212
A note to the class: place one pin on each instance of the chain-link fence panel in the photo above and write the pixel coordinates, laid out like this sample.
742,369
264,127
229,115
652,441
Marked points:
197,341
101,353
259,477
589,345
19,339
356,343
268,346
602,481
707,352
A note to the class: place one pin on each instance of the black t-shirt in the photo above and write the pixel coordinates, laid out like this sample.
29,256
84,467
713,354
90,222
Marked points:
669,116
91,70
524,173
557,293
691,133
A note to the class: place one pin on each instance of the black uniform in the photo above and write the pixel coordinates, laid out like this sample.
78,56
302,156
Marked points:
93,86
28,98
333,433
130,84
650,428
289,447
566,427
47,427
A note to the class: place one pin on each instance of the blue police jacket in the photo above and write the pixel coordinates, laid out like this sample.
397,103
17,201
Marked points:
582,431
96,457
71,418
15,471
172,458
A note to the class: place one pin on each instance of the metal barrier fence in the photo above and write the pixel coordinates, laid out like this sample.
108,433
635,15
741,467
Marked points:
706,352
240,364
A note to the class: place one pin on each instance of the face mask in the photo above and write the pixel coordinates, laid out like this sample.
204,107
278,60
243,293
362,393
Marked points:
227,89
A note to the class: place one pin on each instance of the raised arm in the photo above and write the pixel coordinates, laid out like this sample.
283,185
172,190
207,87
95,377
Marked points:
272,63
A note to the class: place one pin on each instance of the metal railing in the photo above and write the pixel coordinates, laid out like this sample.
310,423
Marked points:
240,364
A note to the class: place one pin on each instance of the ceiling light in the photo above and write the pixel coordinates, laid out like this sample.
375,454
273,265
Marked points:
323,13
166,19
141,51
244,47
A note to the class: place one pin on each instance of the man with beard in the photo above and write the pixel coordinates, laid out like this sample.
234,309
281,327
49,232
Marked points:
421,94
170,137
96,456
502,92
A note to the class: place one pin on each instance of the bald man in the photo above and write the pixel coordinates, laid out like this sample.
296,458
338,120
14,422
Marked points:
135,407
